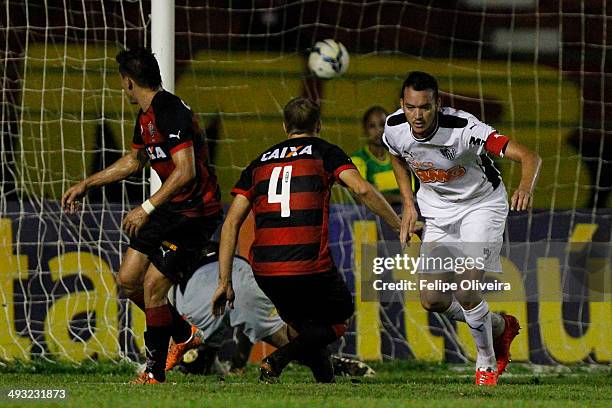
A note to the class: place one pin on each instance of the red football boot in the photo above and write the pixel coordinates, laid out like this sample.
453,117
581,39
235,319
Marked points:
177,350
486,377
502,343
145,378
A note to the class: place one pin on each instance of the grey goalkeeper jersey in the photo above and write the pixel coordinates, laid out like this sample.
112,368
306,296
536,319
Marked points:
252,309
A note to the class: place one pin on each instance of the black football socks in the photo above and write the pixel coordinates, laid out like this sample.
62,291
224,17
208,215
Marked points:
181,329
312,339
157,338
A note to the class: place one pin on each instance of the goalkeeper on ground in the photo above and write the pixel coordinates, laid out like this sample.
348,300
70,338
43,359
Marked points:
253,314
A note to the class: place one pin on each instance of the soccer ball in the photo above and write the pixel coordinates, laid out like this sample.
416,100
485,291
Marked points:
328,59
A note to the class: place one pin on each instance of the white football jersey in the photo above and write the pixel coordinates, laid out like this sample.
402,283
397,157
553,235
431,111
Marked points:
453,167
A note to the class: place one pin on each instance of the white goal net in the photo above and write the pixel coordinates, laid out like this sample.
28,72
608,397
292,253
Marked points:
538,71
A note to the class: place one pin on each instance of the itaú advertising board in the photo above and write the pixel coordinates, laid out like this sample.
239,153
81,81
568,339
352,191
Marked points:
60,298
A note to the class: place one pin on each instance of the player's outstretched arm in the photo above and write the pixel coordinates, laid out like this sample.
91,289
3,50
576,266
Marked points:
531,163
119,170
236,215
370,196
409,212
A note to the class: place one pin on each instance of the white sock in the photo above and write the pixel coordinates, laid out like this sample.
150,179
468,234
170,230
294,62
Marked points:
479,321
498,323
455,312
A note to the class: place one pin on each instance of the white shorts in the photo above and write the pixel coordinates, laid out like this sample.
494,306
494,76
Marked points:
478,236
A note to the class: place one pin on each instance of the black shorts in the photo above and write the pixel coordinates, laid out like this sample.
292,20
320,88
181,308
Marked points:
173,242
321,298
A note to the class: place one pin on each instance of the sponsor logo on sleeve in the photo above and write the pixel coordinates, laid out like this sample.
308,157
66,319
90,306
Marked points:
474,141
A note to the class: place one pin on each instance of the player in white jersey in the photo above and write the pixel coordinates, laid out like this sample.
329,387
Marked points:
253,314
464,202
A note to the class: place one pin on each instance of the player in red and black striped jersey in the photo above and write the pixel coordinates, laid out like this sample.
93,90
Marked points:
165,128
168,231
294,176
288,189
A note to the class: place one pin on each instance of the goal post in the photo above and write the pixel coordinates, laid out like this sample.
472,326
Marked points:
162,45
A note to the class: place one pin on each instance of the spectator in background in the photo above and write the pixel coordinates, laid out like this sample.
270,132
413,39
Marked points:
373,160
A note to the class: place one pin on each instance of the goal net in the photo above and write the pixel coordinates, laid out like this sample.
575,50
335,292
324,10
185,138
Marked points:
538,71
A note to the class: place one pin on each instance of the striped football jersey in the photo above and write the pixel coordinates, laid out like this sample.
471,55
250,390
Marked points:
289,187
167,127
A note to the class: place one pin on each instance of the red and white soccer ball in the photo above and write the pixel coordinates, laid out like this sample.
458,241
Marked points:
328,59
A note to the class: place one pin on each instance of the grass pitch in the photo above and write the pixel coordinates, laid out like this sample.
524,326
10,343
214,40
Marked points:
396,384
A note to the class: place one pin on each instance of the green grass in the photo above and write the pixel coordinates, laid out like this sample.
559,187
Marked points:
396,385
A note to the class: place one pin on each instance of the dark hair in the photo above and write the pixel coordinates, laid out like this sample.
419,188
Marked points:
372,110
420,81
140,65
301,115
